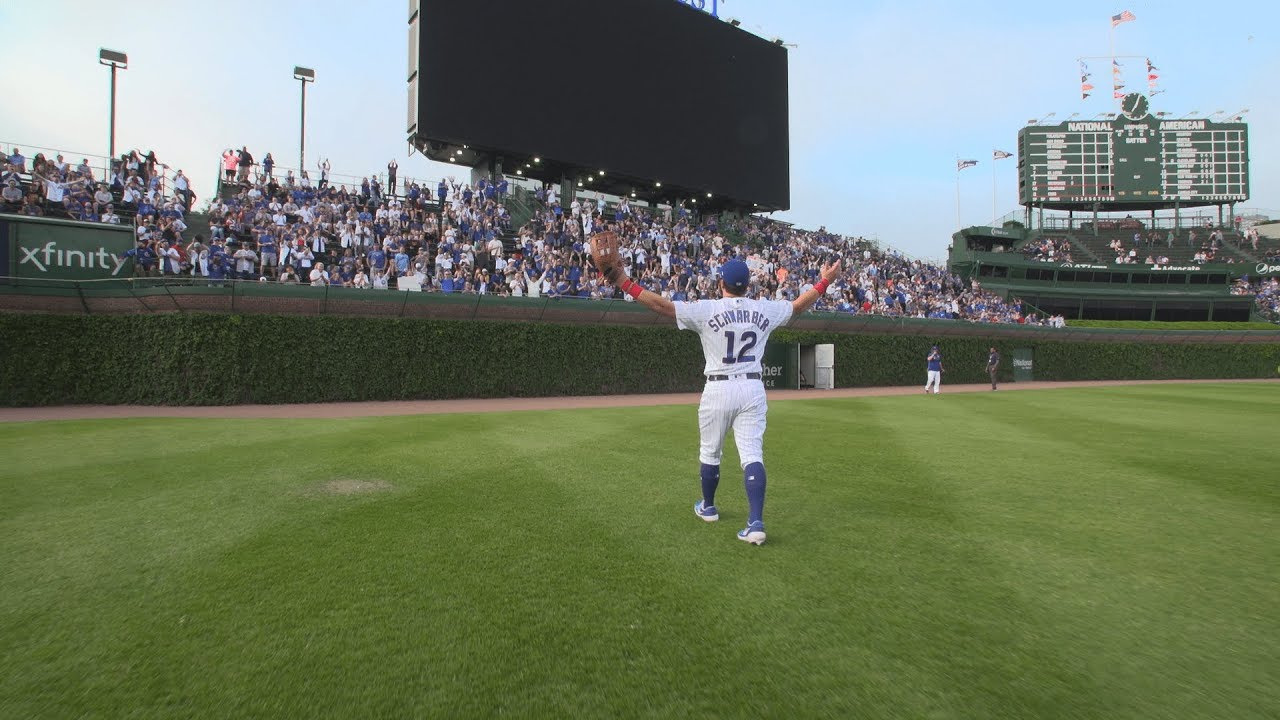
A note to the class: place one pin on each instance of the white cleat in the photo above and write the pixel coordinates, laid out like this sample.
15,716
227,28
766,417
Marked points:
710,514
753,533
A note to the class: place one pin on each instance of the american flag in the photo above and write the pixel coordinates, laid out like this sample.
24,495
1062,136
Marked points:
1123,17
1000,154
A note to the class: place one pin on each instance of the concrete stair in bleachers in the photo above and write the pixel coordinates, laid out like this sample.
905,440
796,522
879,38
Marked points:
1180,253
1082,249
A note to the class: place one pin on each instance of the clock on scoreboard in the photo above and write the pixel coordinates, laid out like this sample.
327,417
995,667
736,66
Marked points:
1135,161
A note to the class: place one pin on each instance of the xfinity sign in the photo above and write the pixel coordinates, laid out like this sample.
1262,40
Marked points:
46,249
51,259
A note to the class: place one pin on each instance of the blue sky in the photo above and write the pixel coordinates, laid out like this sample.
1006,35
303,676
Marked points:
884,96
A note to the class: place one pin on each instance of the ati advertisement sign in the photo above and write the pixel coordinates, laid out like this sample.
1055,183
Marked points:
65,251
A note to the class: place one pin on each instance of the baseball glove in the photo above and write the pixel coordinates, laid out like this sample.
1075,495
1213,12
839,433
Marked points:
604,253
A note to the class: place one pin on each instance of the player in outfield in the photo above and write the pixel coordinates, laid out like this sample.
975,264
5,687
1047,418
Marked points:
933,367
993,365
734,330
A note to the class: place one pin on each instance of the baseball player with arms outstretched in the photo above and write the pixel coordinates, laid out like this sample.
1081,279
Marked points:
734,330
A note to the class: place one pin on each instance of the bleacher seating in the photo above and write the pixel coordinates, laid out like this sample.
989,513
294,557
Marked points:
447,229
1187,242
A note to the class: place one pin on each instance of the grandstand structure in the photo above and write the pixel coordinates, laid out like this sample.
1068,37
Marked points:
1133,217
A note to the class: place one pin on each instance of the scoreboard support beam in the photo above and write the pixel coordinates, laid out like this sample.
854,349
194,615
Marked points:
568,190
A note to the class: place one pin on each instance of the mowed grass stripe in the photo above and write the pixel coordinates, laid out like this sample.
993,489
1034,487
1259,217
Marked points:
986,555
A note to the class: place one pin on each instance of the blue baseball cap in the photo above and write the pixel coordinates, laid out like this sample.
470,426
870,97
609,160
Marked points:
736,275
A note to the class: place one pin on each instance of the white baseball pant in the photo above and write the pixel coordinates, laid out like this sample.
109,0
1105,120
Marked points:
935,379
737,403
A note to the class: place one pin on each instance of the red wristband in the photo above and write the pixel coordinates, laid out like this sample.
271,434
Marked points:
633,288
822,285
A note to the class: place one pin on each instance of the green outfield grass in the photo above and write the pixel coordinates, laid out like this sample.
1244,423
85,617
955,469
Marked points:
1082,553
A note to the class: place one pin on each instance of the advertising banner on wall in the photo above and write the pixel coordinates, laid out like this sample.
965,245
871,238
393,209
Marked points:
37,248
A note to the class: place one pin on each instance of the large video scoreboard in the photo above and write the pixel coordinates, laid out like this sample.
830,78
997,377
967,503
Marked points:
647,95
1135,161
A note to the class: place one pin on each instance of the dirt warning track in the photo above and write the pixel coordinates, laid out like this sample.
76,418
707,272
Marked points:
433,407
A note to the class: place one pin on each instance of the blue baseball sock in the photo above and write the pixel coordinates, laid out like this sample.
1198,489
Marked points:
753,478
710,479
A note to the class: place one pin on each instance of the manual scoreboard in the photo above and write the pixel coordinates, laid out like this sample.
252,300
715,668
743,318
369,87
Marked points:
1135,161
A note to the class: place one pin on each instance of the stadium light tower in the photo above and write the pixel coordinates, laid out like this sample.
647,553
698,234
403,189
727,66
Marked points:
116,61
305,75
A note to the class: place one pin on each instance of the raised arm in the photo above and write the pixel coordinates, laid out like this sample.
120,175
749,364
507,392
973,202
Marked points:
809,297
649,299
604,253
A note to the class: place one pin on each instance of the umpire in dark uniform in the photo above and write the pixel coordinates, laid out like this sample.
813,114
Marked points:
993,363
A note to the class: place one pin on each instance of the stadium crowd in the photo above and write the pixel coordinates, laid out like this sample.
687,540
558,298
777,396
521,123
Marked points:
131,186
1266,292
1048,250
450,239
458,238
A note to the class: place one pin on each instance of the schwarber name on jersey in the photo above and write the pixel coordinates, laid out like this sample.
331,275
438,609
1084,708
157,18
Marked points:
733,330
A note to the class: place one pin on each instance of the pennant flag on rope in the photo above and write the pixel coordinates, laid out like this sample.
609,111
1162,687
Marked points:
1000,154
962,164
1151,67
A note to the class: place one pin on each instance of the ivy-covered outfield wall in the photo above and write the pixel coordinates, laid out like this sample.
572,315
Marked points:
219,359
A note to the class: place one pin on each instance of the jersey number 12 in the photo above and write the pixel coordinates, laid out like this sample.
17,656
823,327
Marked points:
748,344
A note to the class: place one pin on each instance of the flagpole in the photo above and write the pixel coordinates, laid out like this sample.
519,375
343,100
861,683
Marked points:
994,210
957,193
1113,64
